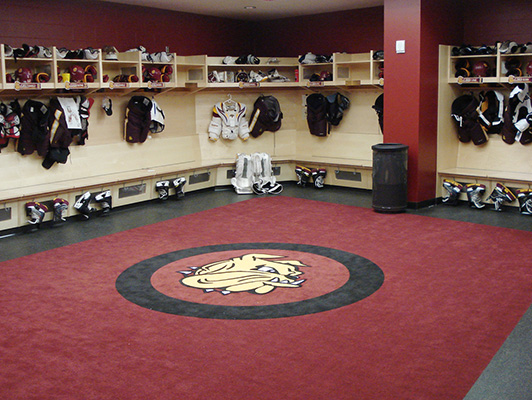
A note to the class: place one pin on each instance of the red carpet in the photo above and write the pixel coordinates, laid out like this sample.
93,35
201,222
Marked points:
451,294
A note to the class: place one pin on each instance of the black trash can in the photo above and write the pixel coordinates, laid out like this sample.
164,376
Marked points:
390,180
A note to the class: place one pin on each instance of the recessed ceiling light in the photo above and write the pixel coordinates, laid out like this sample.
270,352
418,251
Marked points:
249,7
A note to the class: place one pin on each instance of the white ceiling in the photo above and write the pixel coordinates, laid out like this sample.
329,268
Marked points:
264,9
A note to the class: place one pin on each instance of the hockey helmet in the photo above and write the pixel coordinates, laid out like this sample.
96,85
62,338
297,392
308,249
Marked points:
23,74
76,73
480,68
153,74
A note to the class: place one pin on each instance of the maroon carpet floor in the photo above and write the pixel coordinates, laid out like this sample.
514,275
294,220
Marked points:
451,294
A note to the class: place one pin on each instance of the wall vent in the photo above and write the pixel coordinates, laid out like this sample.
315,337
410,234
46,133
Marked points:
5,214
349,176
133,190
198,178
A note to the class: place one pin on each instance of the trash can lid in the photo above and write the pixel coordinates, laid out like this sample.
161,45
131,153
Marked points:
389,147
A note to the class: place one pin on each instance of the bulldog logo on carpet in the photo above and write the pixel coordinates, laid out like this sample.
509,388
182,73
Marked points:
250,281
255,273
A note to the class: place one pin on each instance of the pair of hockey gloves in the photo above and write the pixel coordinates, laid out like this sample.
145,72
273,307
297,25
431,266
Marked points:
304,176
163,188
500,194
83,203
35,212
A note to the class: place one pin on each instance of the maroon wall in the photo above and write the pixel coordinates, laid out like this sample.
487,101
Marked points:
78,23
353,31
488,21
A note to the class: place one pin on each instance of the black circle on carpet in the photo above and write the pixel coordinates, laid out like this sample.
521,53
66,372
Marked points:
365,278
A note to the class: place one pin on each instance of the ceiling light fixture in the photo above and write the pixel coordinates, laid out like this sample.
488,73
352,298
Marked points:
249,7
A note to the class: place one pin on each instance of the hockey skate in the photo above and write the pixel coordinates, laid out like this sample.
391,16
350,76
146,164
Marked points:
303,175
474,194
453,192
524,196
105,200
318,175
179,184
83,205
36,212
162,188
499,195
60,207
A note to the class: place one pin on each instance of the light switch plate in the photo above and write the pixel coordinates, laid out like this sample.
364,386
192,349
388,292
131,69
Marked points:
399,46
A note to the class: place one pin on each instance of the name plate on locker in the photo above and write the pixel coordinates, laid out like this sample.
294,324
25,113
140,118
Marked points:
519,79
243,85
118,85
75,85
27,86
471,79
155,85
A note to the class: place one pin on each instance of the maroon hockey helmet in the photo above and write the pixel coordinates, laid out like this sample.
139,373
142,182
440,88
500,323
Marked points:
153,74
23,74
76,73
480,68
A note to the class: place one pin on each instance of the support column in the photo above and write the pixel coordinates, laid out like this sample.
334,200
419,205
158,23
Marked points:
411,83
